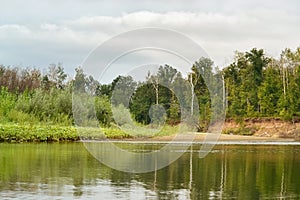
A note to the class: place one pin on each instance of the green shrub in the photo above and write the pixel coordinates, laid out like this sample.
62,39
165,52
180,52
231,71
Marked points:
7,101
103,111
240,131
28,133
121,115
50,133
21,118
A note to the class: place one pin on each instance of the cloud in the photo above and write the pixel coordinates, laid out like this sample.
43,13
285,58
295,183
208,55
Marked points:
219,33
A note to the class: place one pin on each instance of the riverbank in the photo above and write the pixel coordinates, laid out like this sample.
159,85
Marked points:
253,129
249,130
51,133
264,127
200,137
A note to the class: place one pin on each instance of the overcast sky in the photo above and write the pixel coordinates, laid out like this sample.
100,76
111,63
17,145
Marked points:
37,33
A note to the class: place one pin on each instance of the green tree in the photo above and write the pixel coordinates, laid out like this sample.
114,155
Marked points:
141,102
201,74
103,110
122,90
269,91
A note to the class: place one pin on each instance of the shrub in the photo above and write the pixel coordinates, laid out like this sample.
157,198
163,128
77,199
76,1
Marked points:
240,131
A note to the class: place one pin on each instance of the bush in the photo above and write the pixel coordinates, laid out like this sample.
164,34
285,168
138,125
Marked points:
21,118
103,111
121,115
7,101
240,131
49,133
27,133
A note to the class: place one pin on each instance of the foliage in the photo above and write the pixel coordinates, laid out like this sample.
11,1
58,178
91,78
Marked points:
122,115
255,85
50,133
27,133
103,110
101,133
258,86
240,131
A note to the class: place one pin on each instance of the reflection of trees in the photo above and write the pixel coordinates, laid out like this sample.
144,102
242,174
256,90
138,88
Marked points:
191,174
243,172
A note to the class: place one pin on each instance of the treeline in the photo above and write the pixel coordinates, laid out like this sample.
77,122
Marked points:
261,86
255,85
28,96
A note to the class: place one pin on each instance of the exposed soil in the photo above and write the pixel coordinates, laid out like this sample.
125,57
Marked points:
268,127
257,129
261,129
225,137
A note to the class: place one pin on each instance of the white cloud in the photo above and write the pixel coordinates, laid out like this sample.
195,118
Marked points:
220,34
14,30
49,27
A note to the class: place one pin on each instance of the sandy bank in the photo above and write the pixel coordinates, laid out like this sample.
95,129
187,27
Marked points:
235,138
266,127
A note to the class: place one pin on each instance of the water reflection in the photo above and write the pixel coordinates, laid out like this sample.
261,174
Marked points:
229,171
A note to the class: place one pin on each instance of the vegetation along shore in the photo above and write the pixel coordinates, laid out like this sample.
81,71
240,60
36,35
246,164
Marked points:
263,100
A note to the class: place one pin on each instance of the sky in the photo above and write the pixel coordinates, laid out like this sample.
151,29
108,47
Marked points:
37,33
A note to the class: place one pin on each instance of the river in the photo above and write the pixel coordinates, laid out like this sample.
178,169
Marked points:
229,171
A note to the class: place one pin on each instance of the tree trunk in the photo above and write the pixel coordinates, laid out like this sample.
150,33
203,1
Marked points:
193,94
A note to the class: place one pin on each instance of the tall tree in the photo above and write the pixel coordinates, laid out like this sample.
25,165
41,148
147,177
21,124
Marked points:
123,88
201,74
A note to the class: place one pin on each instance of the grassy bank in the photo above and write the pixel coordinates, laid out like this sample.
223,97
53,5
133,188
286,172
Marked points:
12,132
51,133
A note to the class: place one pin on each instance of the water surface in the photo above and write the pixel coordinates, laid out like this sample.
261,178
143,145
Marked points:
68,171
